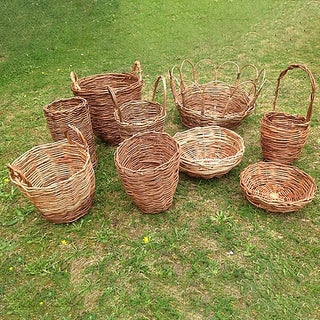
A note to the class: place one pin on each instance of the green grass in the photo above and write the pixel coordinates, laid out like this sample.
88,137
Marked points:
212,255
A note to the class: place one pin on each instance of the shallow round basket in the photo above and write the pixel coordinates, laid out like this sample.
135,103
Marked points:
58,178
127,87
72,111
277,187
148,166
208,152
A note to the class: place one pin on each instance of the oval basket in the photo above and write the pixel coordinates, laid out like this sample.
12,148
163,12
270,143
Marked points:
148,166
58,178
283,135
73,111
127,87
208,152
277,187
215,102
140,115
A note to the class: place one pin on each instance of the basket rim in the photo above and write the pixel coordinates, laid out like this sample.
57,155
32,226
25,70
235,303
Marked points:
82,103
276,202
142,171
287,115
209,161
56,144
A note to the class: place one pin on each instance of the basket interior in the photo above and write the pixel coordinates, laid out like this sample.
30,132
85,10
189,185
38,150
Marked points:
285,120
215,96
146,152
275,183
64,104
207,144
48,164
101,81
140,111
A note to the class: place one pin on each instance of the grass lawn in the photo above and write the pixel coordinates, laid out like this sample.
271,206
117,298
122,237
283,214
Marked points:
212,255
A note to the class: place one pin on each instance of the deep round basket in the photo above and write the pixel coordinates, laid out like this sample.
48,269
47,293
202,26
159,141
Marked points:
277,187
208,152
148,166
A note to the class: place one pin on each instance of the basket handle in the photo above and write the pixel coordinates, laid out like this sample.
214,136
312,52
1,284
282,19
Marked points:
172,79
115,102
255,82
137,68
164,103
313,87
224,63
83,145
194,73
74,79
18,176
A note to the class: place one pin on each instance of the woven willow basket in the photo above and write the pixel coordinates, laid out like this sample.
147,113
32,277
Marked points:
148,165
140,115
126,86
283,135
208,152
215,102
73,111
58,178
277,187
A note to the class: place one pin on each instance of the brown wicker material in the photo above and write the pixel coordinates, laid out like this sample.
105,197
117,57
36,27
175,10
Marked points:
126,86
58,178
215,102
73,111
140,115
283,135
277,187
148,165
208,152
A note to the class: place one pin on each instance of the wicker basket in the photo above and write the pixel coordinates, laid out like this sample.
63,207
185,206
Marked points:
58,178
215,102
283,135
140,115
277,187
208,152
73,111
127,87
148,165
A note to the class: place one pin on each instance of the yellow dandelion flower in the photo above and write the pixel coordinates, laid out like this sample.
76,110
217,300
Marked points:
11,268
41,303
6,180
58,69
63,242
146,239
42,72
83,62
25,95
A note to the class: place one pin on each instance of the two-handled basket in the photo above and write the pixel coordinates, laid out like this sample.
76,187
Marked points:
58,178
216,102
140,115
72,111
127,87
283,135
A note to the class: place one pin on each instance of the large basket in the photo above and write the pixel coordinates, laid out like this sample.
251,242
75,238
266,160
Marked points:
127,87
215,102
277,187
148,165
58,178
140,115
73,111
283,135
208,152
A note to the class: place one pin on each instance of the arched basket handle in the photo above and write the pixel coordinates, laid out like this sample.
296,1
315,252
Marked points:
194,73
224,63
74,79
172,80
137,68
83,145
164,102
313,87
115,102
18,176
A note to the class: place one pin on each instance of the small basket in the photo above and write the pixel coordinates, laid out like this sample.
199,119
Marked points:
277,187
126,86
73,111
215,102
140,115
208,152
58,178
283,135
148,166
